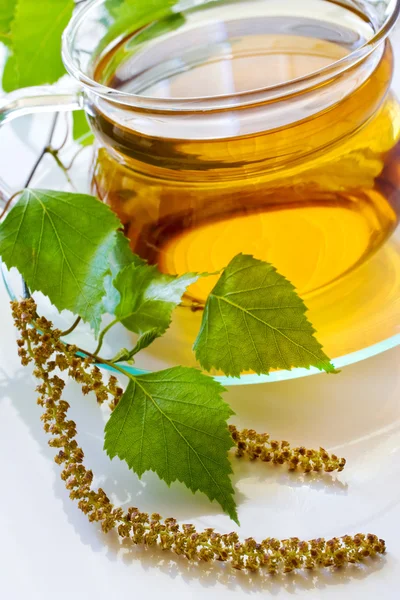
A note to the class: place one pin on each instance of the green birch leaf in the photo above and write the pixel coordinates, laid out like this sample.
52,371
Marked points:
174,422
61,243
7,10
254,320
81,131
148,297
10,76
121,256
36,42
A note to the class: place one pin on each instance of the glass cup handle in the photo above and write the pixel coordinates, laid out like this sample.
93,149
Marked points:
37,99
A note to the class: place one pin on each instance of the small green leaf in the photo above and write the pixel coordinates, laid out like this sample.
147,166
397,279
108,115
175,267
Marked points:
125,355
174,422
254,320
6,16
144,12
148,297
81,131
113,6
36,42
157,28
130,16
10,75
61,243
144,341
121,256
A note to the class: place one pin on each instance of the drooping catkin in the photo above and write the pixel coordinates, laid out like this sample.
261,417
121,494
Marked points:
43,347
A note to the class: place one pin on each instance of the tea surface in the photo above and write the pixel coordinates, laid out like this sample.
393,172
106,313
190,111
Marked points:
192,204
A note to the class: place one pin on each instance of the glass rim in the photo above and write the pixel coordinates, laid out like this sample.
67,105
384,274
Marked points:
223,101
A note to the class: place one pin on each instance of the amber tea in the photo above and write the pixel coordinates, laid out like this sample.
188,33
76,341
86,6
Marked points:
315,191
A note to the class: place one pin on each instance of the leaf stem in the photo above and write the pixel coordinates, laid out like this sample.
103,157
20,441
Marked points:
102,334
78,152
104,361
54,154
7,206
193,305
71,329
121,356
116,367
65,140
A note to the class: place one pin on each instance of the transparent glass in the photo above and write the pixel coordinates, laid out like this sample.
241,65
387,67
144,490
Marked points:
256,126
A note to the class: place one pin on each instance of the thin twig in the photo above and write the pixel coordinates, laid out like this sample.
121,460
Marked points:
71,329
43,152
7,206
103,333
65,140
194,305
60,164
26,291
68,167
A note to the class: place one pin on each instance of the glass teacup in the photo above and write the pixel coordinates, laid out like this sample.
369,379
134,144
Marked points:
268,127
262,127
